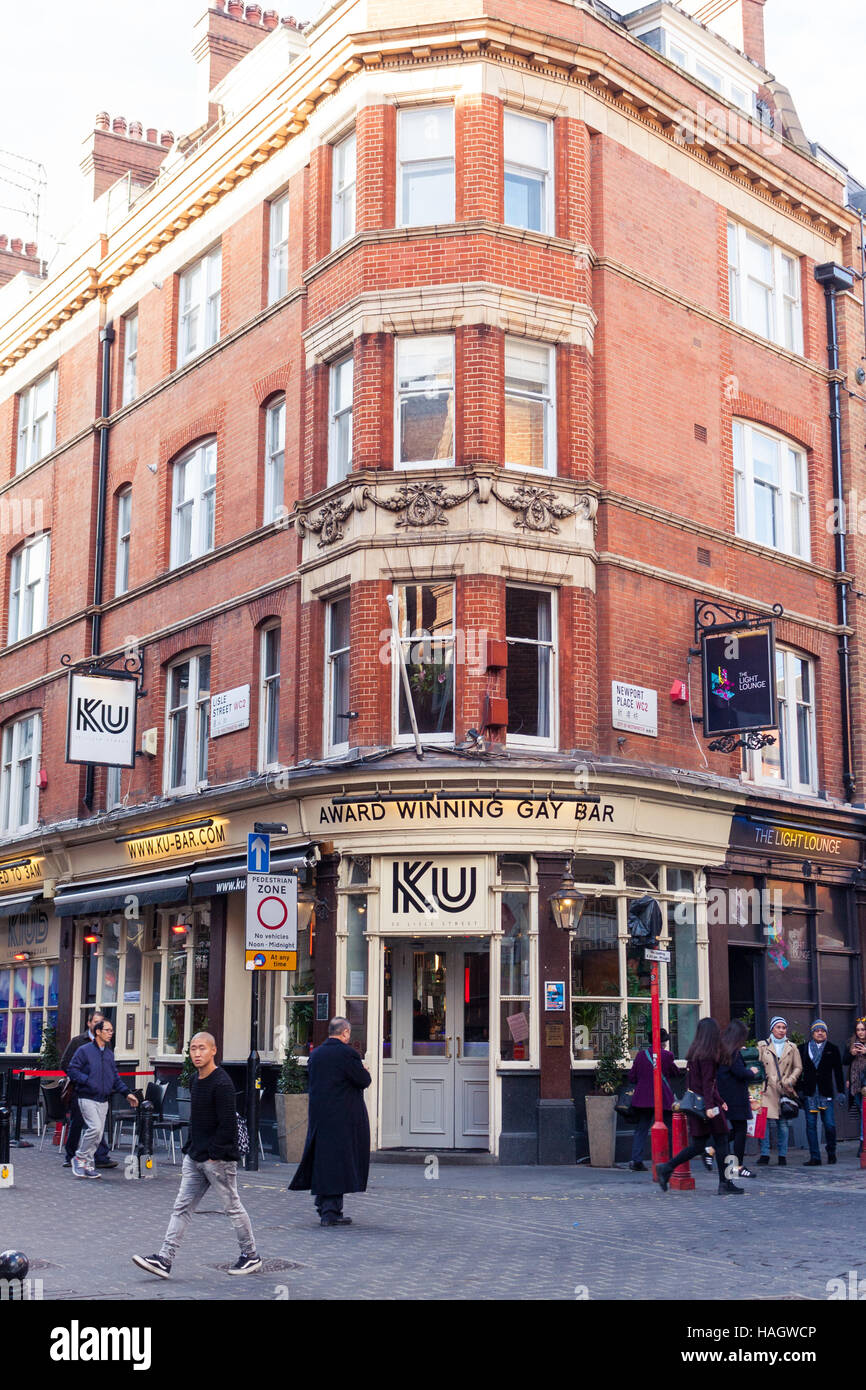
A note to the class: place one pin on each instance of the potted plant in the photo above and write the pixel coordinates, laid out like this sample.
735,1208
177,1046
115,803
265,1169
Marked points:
586,1016
600,1113
290,1103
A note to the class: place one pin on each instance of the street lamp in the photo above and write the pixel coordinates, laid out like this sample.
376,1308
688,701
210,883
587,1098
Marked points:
566,904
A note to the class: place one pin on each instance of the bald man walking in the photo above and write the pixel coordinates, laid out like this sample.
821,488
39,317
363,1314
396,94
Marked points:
210,1162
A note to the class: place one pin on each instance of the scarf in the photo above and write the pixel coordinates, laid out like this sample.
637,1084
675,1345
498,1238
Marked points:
816,1050
778,1044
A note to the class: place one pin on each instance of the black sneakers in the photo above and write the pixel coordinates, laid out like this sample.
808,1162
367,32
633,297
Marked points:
763,1160
730,1189
246,1264
154,1264
336,1221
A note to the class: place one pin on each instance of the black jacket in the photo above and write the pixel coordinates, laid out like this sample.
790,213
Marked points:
828,1071
733,1083
336,1156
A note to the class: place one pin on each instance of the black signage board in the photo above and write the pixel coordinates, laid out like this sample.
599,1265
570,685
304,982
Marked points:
768,837
739,679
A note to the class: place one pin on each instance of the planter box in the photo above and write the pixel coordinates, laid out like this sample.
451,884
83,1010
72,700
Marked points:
601,1130
291,1125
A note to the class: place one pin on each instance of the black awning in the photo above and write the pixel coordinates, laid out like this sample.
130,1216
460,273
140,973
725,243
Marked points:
230,875
87,899
17,902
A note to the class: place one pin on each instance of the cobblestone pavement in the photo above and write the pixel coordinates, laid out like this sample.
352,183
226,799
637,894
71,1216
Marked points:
474,1232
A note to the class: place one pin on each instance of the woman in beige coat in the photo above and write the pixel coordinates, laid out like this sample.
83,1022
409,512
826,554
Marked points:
782,1065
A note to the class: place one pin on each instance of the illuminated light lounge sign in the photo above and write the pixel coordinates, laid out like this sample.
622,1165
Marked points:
739,676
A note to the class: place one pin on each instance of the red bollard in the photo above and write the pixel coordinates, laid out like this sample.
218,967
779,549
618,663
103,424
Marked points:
862,1119
681,1178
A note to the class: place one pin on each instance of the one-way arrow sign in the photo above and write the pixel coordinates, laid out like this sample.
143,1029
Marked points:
258,854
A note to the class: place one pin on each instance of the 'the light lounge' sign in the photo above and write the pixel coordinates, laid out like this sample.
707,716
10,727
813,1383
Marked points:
739,674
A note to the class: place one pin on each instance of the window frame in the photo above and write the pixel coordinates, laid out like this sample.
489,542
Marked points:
20,581
742,438
29,1010
129,389
269,681
449,639
206,305
279,212
201,511
274,472
399,396
547,228
340,229
548,403
197,709
11,776
404,166
122,547
532,740
29,425
337,470
195,916
334,748
779,299
787,728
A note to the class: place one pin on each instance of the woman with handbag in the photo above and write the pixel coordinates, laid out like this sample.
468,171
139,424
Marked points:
704,1107
782,1065
855,1060
734,1080
643,1099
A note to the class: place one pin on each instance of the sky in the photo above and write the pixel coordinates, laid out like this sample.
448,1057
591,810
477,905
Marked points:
62,62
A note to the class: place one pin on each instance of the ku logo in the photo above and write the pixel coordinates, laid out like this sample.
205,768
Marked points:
97,717
421,886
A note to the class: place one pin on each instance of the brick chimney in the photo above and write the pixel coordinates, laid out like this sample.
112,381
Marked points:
222,37
753,30
115,148
17,256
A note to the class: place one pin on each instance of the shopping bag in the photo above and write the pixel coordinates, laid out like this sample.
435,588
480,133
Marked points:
756,1127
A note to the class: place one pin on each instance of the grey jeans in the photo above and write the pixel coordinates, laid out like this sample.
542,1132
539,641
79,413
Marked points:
93,1113
196,1178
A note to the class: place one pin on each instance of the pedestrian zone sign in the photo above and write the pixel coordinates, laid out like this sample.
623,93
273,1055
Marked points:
272,922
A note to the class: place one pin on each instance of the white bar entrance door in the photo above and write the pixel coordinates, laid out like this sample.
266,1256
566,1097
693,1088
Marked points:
435,1045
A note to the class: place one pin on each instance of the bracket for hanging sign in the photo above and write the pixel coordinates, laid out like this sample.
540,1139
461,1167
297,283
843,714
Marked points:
128,666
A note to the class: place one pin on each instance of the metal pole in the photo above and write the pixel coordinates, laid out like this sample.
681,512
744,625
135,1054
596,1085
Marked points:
18,1141
659,1132
254,1080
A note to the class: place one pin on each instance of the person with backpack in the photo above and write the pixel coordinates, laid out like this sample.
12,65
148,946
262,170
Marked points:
707,1119
210,1163
782,1065
643,1101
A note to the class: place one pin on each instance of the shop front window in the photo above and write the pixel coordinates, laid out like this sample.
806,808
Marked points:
184,945
514,978
297,986
356,970
28,1004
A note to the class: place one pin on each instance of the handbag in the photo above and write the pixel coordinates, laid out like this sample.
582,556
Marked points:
690,1103
625,1101
788,1108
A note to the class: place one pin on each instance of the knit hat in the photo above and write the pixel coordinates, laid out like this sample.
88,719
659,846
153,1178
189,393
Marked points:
819,1023
777,1019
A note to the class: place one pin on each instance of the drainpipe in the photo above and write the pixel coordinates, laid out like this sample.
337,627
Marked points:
106,338
836,279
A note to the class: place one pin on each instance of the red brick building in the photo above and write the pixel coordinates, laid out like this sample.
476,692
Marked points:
439,375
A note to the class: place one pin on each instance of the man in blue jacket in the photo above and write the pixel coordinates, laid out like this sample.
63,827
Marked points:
93,1072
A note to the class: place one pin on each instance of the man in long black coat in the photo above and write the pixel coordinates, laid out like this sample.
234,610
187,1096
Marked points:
336,1157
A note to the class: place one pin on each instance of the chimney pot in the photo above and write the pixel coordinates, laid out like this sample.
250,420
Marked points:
253,14
30,250
236,9
136,130
102,121
270,19
118,125
152,136
167,138
219,5
17,245
4,241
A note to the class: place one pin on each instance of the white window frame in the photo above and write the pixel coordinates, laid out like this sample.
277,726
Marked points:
546,173
169,943
12,775
548,402
201,502
197,725
787,729
124,532
275,458
269,695
780,300
37,421
405,166
399,396
28,577
343,186
408,643
278,248
334,748
338,468
787,496
532,740
199,295
130,357
113,787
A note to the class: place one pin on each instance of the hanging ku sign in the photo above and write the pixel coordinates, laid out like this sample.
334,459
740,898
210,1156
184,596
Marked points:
100,725
739,673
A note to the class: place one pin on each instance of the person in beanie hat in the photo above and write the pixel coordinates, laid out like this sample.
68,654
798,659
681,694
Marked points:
782,1065
822,1078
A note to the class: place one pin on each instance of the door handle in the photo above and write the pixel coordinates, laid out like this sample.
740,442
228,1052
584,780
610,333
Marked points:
447,1047
458,1047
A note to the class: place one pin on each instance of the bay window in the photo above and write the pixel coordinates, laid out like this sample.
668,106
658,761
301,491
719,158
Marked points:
424,432
529,411
340,394
343,191
337,676
530,679
528,148
425,157
426,645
